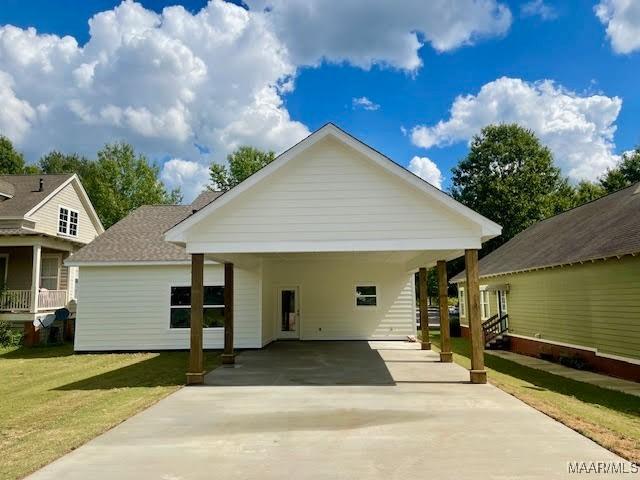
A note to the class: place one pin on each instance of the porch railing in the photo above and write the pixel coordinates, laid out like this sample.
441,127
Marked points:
20,300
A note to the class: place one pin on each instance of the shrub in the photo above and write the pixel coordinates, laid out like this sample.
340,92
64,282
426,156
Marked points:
8,337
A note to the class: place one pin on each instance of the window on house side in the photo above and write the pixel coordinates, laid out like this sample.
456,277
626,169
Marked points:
366,296
68,222
213,311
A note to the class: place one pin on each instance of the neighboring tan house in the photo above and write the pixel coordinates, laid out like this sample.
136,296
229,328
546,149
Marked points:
321,244
570,286
43,219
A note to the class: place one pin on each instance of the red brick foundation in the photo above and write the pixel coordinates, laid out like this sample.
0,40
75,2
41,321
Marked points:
593,362
464,330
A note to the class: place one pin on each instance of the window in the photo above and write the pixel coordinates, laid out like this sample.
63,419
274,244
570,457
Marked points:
484,303
49,271
462,302
366,296
502,301
68,222
213,307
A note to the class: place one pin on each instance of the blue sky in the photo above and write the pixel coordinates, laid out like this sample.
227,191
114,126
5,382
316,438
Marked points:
563,42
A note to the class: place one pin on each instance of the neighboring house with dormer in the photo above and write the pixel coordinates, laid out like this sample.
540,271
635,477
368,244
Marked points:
43,219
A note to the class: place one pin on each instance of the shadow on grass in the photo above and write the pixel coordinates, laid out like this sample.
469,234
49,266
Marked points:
585,392
164,369
53,351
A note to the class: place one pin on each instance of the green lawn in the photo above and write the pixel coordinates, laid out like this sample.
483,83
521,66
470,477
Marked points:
610,418
52,401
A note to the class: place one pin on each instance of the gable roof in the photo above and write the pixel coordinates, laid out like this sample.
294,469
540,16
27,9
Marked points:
139,237
489,229
604,228
26,194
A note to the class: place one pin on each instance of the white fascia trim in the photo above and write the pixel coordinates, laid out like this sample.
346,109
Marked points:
158,263
489,229
334,246
578,347
51,195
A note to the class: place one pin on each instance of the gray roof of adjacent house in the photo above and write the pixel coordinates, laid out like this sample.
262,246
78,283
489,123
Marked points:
26,192
604,228
139,237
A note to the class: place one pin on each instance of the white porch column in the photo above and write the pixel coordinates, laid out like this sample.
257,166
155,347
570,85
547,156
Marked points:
35,278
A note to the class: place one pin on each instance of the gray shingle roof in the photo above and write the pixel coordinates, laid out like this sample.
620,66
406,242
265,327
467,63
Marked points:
139,237
606,227
25,192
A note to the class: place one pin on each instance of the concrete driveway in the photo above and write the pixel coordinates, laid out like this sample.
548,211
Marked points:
334,410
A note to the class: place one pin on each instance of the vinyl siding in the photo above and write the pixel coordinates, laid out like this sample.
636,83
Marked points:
127,308
593,305
47,216
331,193
327,299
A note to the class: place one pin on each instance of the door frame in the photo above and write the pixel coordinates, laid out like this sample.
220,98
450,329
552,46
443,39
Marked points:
279,334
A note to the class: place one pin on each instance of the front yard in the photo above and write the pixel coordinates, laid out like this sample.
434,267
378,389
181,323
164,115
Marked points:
608,417
53,401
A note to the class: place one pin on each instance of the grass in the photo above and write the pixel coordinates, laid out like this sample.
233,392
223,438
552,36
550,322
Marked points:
54,401
608,417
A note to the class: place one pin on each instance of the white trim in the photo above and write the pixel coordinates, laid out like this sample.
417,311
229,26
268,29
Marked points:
462,302
51,195
376,296
484,293
279,334
489,229
68,233
578,347
170,307
70,263
57,256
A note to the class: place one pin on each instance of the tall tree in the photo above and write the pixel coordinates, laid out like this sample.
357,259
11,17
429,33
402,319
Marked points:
11,161
121,181
509,177
58,162
243,162
587,191
626,173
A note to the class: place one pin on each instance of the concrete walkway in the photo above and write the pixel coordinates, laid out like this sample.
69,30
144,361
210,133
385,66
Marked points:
334,410
604,381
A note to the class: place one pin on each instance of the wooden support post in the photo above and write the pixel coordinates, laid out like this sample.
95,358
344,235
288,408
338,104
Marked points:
228,357
443,299
195,375
424,308
478,374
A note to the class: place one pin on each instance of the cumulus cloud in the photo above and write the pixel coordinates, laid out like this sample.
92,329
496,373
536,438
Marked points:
191,177
538,8
385,32
577,128
426,169
364,103
622,19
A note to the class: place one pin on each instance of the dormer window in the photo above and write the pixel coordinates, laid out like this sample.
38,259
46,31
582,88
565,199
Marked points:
68,222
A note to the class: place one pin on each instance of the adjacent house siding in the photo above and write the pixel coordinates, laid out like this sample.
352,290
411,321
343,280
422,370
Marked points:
332,193
327,298
47,216
127,308
593,305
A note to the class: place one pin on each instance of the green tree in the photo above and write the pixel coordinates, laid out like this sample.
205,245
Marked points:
586,192
243,162
121,181
11,161
509,177
57,162
626,173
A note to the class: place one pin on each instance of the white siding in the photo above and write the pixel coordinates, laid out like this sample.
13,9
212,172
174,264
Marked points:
327,299
127,308
47,216
332,193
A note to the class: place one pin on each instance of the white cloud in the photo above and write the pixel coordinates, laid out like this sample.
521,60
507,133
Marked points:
191,177
622,19
364,33
364,103
538,8
578,129
426,169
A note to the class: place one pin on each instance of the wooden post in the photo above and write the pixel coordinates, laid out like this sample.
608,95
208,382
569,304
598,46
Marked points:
195,375
445,336
424,308
35,278
478,374
228,357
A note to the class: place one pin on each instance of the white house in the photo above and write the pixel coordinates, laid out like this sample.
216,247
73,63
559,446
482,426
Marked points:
321,244
43,219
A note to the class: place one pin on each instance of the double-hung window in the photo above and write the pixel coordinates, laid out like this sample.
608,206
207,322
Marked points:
484,303
213,311
462,302
366,296
68,222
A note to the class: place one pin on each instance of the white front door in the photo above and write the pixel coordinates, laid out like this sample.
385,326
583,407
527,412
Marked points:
288,312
